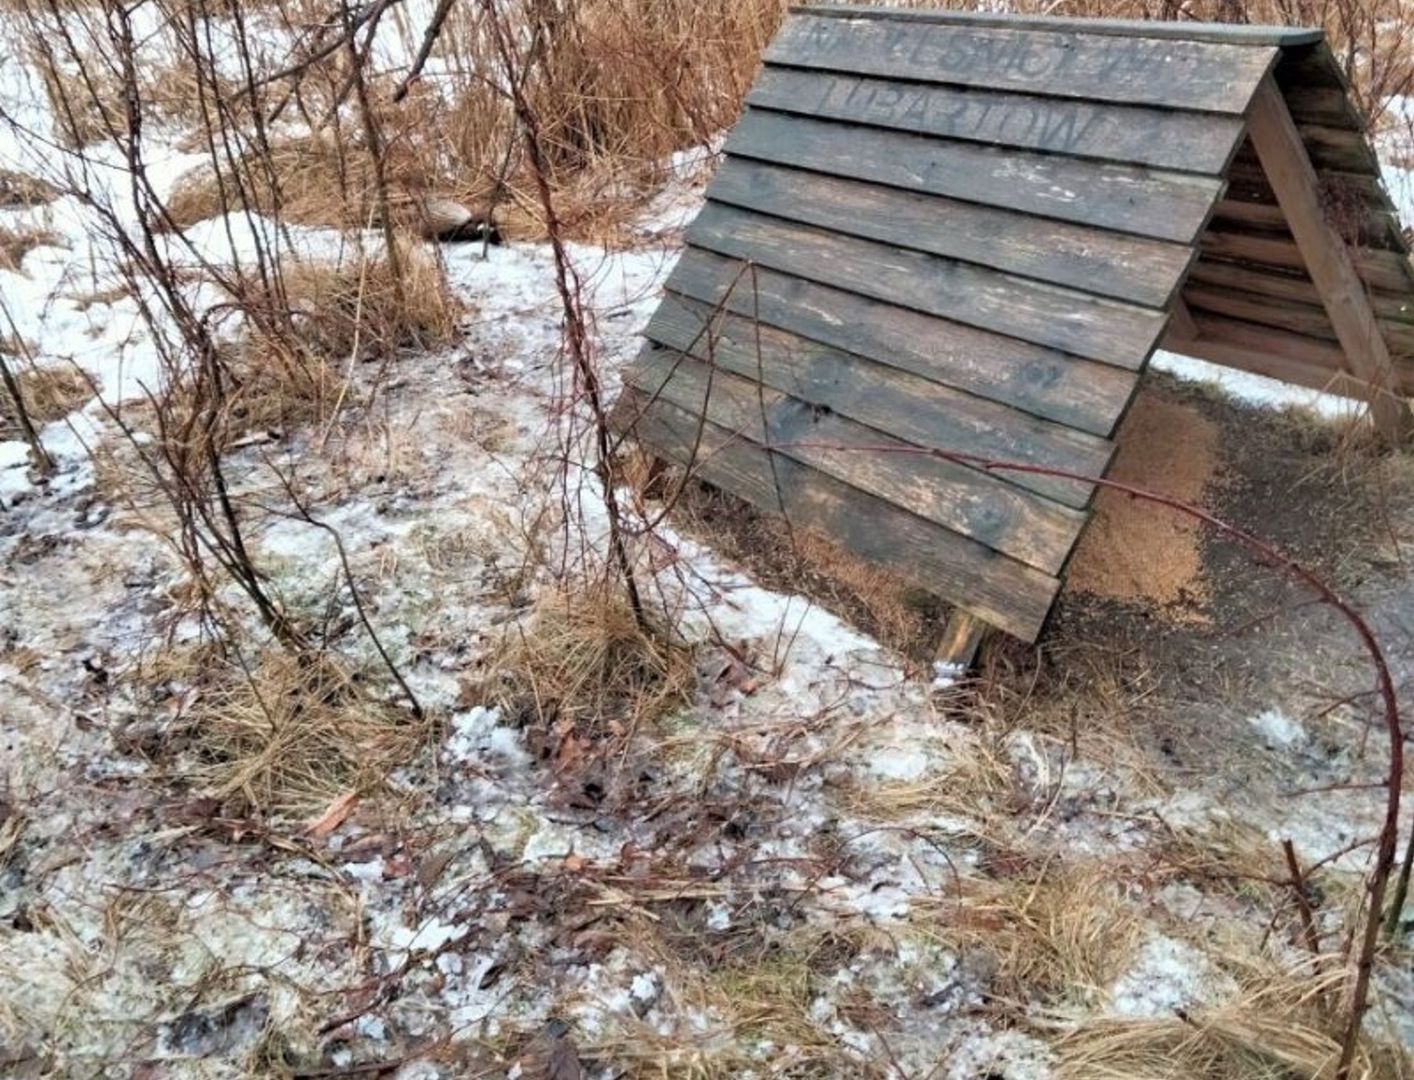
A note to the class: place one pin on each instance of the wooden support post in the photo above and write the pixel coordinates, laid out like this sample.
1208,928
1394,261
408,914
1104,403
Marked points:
1181,326
1328,260
961,639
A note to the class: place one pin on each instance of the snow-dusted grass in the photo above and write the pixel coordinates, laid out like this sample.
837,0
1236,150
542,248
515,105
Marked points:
785,851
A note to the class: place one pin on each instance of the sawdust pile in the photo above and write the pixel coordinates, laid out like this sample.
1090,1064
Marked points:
1139,552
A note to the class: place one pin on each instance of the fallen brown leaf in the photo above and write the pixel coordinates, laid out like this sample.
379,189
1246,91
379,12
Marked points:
333,817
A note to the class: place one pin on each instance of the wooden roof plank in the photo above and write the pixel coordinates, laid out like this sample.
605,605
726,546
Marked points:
1385,270
1286,284
1160,138
1300,315
964,500
1176,73
1075,322
1047,383
1221,33
1008,594
1108,264
915,409
1132,199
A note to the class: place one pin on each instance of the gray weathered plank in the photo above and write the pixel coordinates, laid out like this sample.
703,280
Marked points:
1072,391
1285,284
965,500
1143,71
1183,30
1106,330
1339,149
1248,181
1160,138
1128,198
1267,353
1298,315
1108,264
1008,594
1386,270
913,408
1363,225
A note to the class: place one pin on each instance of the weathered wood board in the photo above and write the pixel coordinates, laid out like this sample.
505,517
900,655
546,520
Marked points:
941,241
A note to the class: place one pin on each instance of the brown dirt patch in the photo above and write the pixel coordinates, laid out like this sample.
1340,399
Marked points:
1140,553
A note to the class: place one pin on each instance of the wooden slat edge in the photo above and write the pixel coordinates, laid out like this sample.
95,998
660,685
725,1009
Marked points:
979,505
927,556
1214,33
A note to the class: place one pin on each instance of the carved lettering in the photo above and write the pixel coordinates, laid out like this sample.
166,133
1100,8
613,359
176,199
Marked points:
1045,124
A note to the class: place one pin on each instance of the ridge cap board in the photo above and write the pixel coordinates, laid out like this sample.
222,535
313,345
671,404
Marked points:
1213,33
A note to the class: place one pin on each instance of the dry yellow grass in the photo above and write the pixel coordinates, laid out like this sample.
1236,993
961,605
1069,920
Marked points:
1279,1027
1062,934
50,393
296,360
581,667
312,180
17,241
291,734
21,189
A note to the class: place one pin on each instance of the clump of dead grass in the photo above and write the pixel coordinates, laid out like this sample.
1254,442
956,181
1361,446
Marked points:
317,180
581,668
50,393
18,189
85,94
306,335
1054,933
17,241
365,308
763,994
291,733
974,786
1276,1028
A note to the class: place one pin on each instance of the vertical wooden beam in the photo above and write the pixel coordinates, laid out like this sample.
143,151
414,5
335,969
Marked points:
961,639
1293,179
1181,326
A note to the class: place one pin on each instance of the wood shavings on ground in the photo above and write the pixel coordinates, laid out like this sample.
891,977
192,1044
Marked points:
1141,554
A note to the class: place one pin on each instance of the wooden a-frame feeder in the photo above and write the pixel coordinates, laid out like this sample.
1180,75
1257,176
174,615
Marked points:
967,232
